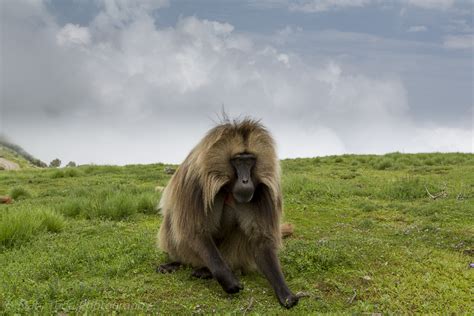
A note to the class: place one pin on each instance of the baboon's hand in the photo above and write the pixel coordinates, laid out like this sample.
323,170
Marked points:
229,283
289,300
234,288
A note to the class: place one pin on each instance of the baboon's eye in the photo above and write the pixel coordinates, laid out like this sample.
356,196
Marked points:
243,159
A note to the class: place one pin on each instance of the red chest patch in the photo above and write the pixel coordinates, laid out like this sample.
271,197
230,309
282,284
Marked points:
229,199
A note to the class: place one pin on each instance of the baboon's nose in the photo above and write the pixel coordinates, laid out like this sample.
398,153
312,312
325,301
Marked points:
245,181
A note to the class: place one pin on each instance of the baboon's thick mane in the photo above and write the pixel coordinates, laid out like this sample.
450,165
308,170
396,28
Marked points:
209,162
225,141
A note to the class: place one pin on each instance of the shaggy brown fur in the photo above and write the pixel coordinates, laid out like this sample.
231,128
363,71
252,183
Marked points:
197,202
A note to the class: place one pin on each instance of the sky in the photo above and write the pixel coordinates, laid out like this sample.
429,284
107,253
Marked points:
124,82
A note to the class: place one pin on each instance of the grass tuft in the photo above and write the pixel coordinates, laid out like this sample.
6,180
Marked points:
109,205
19,193
51,221
73,207
20,225
406,188
116,207
68,173
383,164
147,204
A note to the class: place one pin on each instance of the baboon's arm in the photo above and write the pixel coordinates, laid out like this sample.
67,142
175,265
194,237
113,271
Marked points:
207,250
268,263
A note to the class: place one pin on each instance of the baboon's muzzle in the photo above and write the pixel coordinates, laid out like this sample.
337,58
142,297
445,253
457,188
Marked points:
243,188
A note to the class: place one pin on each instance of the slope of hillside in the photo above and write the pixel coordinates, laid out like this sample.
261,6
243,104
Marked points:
10,160
390,234
14,157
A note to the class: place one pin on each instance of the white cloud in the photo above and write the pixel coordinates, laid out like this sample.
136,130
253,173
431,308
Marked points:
325,5
442,139
431,4
311,6
121,90
72,34
417,28
314,6
124,10
458,26
459,41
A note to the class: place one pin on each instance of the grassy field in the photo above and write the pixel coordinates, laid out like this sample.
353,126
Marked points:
368,238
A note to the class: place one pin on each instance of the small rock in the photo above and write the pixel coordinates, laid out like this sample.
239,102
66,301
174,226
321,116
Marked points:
5,200
471,265
169,170
367,278
286,230
468,252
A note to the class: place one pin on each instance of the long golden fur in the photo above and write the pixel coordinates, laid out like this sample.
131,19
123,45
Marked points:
195,201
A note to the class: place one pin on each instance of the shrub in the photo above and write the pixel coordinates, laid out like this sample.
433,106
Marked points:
55,163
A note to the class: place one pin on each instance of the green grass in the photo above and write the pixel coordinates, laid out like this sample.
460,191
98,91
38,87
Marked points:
21,225
116,204
367,239
18,193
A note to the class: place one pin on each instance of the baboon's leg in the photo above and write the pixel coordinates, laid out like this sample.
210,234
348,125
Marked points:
168,267
268,263
202,273
210,255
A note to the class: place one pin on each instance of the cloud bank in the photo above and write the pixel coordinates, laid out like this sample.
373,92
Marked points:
123,90
314,6
459,41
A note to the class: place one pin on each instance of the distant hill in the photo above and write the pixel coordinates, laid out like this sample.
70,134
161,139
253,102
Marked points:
13,156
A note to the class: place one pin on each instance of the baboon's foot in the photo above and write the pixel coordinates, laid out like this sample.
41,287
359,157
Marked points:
202,273
168,267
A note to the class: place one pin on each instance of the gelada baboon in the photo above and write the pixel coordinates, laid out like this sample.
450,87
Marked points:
222,208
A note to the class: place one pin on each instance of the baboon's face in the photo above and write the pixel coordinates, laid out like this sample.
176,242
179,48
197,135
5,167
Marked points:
243,187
